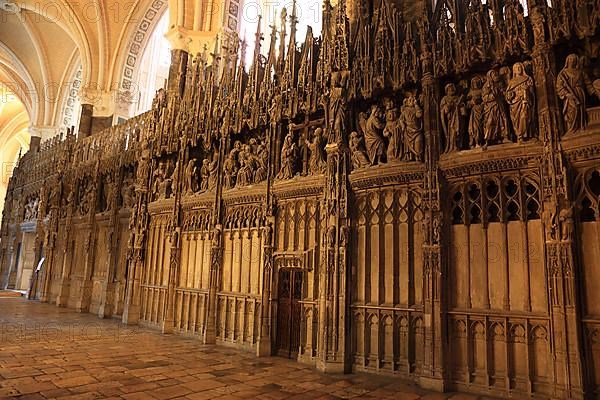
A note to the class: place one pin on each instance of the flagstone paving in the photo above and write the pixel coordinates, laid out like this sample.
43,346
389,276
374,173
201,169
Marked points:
50,352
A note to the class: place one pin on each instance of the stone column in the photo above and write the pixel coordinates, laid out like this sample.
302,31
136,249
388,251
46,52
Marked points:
47,244
559,225
265,346
216,252
85,120
97,110
7,251
177,71
433,375
14,261
333,352
107,300
62,299
34,143
83,302
175,235
138,224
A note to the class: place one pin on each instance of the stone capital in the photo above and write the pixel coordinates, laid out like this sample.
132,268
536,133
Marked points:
43,132
191,42
104,101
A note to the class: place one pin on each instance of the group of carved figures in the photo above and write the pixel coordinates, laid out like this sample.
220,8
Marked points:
313,147
31,208
246,164
500,108
497,108
162,181
395,134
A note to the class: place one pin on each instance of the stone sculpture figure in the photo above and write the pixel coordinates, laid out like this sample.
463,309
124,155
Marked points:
393,131
372,126
86,198
213,171
452,111
411,122
288,158
108,191
54,196
159,177
276,107
263,162
230,169
357,147
190,177
495,126
170,174
128,193
567,225
204,175
520,98
316,161
337,108
249,156
31,209
245,175
475,103
571,86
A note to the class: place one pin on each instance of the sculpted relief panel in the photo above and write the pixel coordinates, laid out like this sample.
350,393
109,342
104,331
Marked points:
414,192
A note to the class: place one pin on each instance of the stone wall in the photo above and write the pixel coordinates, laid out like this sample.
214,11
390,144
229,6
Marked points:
416,197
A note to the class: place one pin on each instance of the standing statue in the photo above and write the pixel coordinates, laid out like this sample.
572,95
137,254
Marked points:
520,98
190,177
357,147
475,103
204,175
213,174
452,110
495,126
411,123
567,226
128,193
159,177
263,164
108,191
89,198
372,127
393,131
288,158
316,161
571,86
336,117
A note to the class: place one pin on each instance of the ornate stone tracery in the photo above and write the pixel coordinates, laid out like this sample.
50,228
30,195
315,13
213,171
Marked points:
421,183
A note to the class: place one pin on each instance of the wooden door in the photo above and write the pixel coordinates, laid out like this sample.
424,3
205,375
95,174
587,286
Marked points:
289,312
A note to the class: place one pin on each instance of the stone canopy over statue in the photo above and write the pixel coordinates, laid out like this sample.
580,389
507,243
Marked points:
414,191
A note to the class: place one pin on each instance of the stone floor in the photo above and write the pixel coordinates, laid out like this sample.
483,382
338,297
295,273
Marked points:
51,352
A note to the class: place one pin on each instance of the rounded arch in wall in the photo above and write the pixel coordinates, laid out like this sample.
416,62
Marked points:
138,41
71,107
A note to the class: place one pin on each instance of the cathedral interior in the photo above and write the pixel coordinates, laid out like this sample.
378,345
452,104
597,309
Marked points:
401,188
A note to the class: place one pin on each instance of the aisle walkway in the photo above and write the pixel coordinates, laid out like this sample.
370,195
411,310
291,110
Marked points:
51,352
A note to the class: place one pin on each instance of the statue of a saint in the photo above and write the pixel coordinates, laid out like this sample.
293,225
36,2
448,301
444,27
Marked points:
520,98
571,85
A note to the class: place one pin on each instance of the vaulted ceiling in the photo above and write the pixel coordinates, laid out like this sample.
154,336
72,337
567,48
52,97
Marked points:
43,44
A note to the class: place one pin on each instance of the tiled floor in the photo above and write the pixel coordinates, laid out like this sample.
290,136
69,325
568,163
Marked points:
51,352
